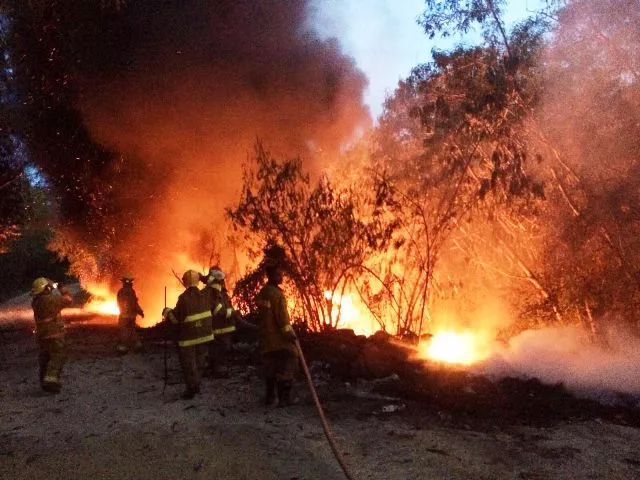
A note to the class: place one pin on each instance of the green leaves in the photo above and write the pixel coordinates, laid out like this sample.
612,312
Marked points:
449,17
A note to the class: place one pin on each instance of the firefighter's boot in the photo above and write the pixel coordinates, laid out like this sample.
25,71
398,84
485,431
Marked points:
51,387
43,371
187,394
270,394
284,394
190,392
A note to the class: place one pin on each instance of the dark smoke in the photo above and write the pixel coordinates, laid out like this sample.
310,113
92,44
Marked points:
180,91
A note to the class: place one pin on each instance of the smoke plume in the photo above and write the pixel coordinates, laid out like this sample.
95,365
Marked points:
181,91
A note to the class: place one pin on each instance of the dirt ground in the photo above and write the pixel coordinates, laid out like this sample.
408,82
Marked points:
112,421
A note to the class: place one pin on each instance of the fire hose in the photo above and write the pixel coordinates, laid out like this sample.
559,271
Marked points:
325,425
166,368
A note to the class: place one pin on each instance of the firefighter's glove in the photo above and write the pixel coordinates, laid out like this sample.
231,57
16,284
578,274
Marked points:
165,313
289,334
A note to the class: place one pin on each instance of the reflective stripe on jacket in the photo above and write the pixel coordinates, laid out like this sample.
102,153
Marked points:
222,311
193,315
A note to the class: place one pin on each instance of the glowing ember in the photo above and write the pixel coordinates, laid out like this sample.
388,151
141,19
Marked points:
102,301
452,347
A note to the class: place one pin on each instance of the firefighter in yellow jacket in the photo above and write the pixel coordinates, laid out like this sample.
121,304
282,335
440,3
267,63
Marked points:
276,339
192,314
50,331
223,323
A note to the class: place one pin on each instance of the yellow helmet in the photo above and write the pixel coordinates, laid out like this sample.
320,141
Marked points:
191,278
39,284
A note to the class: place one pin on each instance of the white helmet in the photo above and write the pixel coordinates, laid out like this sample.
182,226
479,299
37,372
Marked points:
215,276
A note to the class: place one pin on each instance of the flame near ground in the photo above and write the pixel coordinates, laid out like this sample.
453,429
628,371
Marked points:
103,302
446,346
452,347
554,355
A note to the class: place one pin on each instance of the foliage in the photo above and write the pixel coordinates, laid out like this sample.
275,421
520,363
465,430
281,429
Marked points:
590,125
447,17
453,142
26,259
326,233
572,100
13,193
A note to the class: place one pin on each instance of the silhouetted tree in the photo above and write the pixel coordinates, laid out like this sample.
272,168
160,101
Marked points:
326,233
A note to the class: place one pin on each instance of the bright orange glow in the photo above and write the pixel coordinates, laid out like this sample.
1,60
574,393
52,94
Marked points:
452,347
103,301
351,314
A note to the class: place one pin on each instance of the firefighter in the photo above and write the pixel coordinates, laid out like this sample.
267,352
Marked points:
192,315
223,319
129,310
276,339
50,330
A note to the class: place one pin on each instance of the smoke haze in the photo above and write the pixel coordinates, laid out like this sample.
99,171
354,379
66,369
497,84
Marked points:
590,115
566,355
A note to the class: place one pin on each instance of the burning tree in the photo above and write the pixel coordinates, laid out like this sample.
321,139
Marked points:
453,144
459,136
326,233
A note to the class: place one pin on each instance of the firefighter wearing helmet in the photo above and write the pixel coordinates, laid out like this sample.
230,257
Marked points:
223,320
192,315
129,309
50,331
276,338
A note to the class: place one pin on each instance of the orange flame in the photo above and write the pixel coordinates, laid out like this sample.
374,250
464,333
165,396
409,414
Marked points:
102,301
463,348
350,314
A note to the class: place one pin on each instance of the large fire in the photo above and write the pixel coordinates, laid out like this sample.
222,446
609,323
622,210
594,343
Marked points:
103,302
446,346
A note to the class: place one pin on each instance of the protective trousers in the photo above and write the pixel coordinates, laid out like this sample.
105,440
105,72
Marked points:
219,351
52,357
280,367
191,359
128,336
